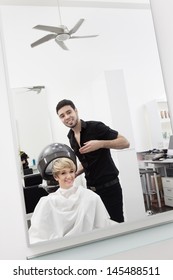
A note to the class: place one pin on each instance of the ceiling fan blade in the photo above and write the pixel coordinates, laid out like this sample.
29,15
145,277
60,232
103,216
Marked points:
76,27
34,90
79,37
43,40
49,28
62,45
36,87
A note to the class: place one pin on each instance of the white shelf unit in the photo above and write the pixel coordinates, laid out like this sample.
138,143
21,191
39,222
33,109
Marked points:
168,190
159,125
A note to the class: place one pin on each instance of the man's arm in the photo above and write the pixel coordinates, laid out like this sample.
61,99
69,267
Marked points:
119,143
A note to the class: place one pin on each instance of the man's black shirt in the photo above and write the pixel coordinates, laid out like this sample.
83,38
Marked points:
98,165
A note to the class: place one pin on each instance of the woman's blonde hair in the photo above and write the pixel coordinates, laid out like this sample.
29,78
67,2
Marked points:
61,163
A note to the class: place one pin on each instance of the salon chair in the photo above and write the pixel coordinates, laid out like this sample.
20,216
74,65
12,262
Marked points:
27,171
33,191
32,180
32,195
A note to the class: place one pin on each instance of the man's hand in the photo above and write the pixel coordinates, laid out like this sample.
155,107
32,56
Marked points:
118,143
90,146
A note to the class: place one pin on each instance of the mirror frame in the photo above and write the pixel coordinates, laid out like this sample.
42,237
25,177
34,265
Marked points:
65,243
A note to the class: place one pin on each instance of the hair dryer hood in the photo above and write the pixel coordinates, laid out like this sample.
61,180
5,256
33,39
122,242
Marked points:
49,154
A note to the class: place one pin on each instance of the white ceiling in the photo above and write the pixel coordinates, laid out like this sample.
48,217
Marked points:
82,3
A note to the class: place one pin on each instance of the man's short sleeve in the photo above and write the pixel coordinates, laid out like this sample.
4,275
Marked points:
104,132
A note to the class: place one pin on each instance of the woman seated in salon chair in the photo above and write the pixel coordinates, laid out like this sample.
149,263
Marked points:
70,210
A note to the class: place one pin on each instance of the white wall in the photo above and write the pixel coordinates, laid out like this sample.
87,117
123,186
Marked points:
13,234
162,16
125,160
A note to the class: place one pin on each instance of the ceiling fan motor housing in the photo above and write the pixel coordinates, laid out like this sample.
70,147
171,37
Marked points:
62,37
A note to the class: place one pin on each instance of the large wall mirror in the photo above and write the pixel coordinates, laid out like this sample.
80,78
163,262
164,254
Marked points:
110,78
32,120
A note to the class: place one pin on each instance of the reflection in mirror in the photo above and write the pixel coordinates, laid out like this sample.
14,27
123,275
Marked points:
32,120
33,134
110,78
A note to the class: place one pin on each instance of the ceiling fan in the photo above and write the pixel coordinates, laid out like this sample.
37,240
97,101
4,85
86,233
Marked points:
60,34
36,89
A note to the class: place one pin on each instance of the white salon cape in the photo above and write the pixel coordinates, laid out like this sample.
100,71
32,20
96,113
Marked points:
67,213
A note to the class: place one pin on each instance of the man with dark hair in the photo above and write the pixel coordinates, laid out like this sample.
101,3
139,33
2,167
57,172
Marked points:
91,142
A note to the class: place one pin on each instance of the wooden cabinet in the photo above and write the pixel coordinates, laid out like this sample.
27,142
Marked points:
158,123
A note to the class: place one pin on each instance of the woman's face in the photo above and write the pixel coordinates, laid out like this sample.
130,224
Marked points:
66,178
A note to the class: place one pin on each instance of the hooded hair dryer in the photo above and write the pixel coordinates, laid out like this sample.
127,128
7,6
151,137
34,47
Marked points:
49,154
